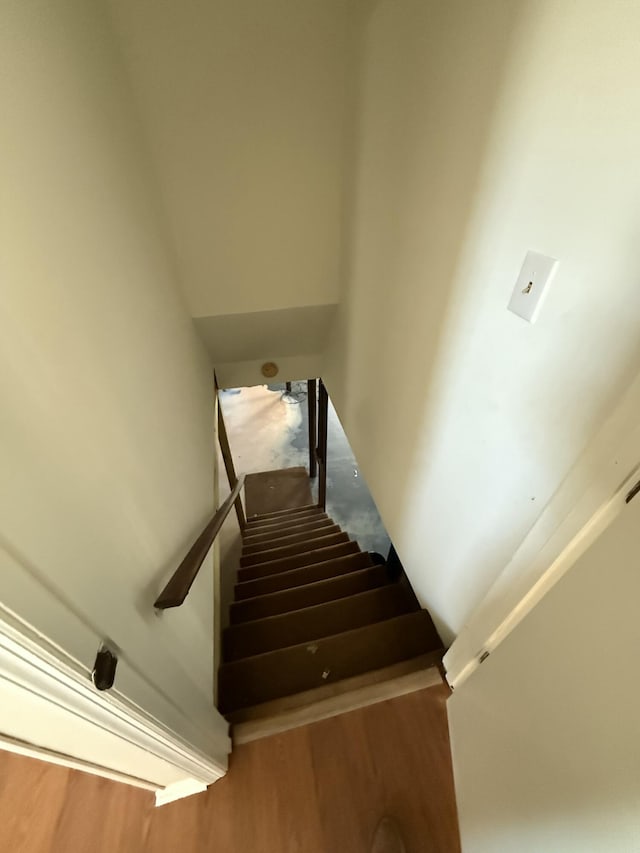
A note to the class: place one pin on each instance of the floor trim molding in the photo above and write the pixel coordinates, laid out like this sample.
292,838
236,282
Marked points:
29,662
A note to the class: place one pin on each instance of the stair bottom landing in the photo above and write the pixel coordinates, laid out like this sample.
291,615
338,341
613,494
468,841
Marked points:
330,700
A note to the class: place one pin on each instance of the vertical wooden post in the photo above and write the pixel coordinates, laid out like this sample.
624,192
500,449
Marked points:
312,401
228,464
323,410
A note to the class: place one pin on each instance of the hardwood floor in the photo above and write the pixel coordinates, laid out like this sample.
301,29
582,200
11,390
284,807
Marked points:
318,789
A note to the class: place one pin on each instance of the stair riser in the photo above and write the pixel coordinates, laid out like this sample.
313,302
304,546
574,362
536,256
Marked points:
250,548
308,595
294,530
274,567
283,513
292,670
282,529
312,623
266,555
272,523
421,668
299,577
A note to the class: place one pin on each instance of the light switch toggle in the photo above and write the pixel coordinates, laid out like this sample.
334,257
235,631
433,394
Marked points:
532,285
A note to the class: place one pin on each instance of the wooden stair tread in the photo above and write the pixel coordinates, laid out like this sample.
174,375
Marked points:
297,561
289,517
302,575
280,526
271,675
309,594
266,554
283,513
317,627
336,688
289,530
312,623
349,694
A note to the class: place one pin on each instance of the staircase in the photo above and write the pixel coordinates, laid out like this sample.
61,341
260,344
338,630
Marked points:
317,627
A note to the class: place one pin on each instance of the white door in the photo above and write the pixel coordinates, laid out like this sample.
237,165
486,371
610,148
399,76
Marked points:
546,733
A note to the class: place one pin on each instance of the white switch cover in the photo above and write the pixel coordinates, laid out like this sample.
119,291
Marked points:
532,285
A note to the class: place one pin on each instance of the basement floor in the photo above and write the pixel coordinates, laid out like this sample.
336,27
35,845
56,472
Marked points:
321,788
269,429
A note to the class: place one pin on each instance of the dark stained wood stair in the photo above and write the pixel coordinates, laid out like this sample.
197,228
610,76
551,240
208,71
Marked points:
308,594
303,527
284,518
251,547
296,561
303,575
314,620
271,552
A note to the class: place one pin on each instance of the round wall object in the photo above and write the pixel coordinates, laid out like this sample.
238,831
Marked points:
270,369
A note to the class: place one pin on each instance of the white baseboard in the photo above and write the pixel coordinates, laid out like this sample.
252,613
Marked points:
179,790
40,754
50,706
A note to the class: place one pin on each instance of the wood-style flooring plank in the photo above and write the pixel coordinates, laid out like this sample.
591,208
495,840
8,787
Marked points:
45,808
433,827
317,789
32,797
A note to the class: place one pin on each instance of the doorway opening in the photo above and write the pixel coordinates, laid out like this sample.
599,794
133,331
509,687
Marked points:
268,430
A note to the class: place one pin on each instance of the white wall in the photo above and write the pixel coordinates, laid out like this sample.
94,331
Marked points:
240,373
106,419
261,336
242,102
600,479
484,130
30,719
545,734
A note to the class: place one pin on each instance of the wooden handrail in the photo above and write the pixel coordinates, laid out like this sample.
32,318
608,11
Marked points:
175,592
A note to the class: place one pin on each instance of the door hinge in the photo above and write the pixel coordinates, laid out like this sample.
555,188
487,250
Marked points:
634,491
104,668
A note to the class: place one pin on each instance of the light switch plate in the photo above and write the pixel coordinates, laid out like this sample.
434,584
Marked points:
532,285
